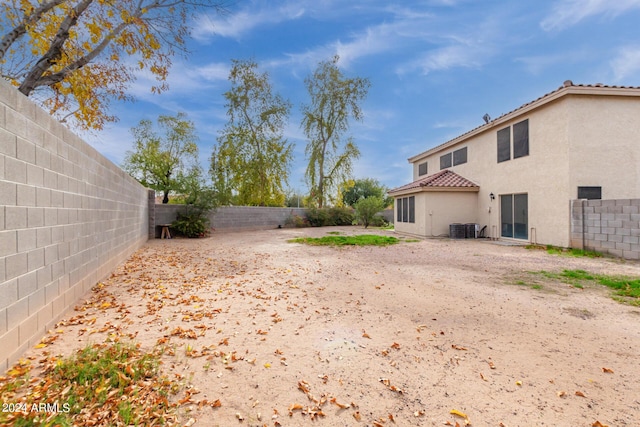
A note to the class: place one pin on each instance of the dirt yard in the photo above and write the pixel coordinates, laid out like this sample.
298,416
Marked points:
283,334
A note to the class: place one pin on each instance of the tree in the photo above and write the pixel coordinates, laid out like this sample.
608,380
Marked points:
161,160
334,99
367,208
67,53
198,199
363,188
253,158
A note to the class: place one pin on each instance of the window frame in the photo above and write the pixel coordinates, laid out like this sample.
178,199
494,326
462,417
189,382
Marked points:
460,156
420,168
446,161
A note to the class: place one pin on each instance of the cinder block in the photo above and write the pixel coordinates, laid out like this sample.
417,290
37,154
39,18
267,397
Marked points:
8,193
51,291
45,317
630,239
35,259
623,231
3,323
8,144
43,158
623,246
50,216
623,202
26,150
615,238
50,179
631,254
28,329
15,217
44,276
600,237
35,217
8,243
2,270
9,341
43,237
57,199
27,284
35,175
16,265
26,195
8,293
2,156
36,301
27,239
630,209
17,312
15,170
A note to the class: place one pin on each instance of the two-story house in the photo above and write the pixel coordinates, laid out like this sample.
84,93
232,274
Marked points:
518,173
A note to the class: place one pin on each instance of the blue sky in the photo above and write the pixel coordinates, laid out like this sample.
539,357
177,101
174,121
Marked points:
435,66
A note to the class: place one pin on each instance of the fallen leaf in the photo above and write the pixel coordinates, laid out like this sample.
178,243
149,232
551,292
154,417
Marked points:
607,370
458,413
457,347
357,416
581,394
267,365
295,406
598,424
561,394
395,346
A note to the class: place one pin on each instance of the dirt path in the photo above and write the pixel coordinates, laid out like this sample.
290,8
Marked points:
398,335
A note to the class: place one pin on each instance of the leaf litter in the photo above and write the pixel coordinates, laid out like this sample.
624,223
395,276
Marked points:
217,314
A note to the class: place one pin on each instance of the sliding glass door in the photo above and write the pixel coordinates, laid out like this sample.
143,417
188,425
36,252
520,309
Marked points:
514,216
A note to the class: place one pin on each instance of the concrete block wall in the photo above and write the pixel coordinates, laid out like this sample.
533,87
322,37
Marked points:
68,217
231,218
607,226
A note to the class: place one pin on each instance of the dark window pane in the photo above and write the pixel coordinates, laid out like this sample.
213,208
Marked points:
591,193
399,210
521,139
445,161
506,215
460,156
412,209
422,169
520,216
405,209
504,145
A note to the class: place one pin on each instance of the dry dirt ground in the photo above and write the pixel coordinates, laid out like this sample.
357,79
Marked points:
283,334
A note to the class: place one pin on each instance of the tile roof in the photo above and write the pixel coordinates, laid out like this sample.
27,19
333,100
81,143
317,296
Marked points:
568,87
443,179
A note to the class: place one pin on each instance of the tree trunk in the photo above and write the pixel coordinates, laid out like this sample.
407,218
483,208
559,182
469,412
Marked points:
165,199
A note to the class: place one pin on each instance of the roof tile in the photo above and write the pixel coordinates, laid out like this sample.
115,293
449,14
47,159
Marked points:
443,179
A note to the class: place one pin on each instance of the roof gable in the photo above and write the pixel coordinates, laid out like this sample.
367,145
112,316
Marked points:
445,179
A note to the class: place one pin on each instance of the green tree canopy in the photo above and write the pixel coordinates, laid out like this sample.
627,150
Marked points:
252,159
363,188
334,99
163,156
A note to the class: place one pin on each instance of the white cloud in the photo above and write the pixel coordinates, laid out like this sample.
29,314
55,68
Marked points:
626,63
567,13
237,23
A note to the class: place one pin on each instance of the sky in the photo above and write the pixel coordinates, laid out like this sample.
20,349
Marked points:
436,67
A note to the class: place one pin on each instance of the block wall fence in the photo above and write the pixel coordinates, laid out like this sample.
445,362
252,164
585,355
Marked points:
68,217
607,226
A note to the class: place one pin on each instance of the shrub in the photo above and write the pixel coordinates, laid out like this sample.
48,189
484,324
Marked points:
341,216
296,221
366,209
330,216
192,223
317,217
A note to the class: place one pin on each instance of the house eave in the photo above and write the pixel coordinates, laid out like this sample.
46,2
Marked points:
427,189
580,90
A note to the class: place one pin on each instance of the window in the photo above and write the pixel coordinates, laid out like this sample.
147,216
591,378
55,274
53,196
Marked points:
406,209
422,169
520,141
445,161
514,216
460,156
591,193
504,145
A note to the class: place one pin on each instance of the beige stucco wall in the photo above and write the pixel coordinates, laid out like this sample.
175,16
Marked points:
574,140
435,210
605,145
